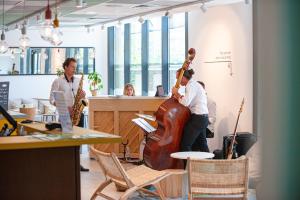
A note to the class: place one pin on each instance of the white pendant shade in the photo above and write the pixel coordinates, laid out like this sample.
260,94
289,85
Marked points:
3,44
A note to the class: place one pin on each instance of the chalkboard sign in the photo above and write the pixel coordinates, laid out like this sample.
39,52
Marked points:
4,89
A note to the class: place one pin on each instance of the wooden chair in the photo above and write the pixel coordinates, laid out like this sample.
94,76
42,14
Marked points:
134,179
218,179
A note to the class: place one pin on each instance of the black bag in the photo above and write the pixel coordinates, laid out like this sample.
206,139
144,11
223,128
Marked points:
218,154
209,134
244,142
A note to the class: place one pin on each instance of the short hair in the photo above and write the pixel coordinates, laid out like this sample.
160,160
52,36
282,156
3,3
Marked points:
68,61
187,73
128,85
201,83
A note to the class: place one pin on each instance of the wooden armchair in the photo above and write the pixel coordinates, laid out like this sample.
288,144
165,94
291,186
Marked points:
134,179
218,179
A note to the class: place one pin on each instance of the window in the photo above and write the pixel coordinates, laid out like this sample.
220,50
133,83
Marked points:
177,45
155,48
135,57
146,55
119,61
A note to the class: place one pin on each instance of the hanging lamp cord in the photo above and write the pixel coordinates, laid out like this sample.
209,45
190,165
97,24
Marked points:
3,16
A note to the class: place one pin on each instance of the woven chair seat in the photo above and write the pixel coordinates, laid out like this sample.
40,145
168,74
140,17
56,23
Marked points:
141,175
218,190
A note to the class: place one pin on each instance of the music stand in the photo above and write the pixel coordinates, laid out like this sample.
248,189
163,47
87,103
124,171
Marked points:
5,131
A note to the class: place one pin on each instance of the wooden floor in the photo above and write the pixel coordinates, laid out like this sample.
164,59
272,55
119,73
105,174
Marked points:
91,180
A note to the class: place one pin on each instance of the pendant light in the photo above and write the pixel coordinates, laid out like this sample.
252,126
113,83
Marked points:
24,40
56,32
3,43
46,31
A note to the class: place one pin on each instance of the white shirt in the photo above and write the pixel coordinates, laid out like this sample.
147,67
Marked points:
195,98
69,89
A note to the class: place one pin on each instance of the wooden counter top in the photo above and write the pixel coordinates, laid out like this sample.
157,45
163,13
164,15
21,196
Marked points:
127,97
55,138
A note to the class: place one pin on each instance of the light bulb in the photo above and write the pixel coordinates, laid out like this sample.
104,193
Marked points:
56,37
24,40
46,31
3,44
141,20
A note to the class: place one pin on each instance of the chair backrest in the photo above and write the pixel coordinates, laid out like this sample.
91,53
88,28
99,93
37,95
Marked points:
226,174
111,166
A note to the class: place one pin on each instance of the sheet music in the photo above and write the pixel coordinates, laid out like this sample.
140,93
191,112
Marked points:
149,117
144,125
63,112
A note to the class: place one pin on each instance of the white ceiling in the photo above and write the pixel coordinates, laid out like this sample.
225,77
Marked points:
97,11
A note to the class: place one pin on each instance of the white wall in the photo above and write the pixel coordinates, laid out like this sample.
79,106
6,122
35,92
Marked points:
21,86
225,29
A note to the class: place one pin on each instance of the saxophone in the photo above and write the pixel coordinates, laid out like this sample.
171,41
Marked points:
78,105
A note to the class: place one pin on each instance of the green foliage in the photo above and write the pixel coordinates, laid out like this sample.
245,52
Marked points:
95,81
59,71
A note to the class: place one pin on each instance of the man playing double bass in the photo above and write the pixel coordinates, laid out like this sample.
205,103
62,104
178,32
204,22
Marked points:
194,132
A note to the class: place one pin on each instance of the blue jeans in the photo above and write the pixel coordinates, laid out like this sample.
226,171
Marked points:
194,134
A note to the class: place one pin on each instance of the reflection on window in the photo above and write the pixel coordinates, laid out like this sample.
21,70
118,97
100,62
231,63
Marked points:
155,66
135,57
177,45
46,60
119,60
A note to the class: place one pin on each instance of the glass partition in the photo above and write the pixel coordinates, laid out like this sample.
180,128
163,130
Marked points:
45,60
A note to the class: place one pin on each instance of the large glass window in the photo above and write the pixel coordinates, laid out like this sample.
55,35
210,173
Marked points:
147,55
135,57
119,60
155,48
177,45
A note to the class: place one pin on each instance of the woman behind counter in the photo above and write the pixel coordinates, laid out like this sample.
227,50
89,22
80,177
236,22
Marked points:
129,90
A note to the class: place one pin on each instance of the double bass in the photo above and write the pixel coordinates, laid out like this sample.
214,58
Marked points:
171,117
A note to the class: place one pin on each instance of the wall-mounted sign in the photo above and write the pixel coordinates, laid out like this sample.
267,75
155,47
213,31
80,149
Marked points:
4,89
223,57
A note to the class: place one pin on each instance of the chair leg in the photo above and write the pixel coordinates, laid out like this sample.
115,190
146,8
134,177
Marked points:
159,191
129,192
100,188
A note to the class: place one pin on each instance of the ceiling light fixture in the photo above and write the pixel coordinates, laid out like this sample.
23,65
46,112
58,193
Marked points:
24,40
46,30
141,20
56,32
203,8
119,24
3,43
247,1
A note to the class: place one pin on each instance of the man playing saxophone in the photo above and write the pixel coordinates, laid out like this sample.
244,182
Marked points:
69,84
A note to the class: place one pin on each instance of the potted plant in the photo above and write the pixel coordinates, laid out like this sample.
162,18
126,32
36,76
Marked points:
95,81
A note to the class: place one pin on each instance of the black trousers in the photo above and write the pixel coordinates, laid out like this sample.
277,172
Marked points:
194,134
81,121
